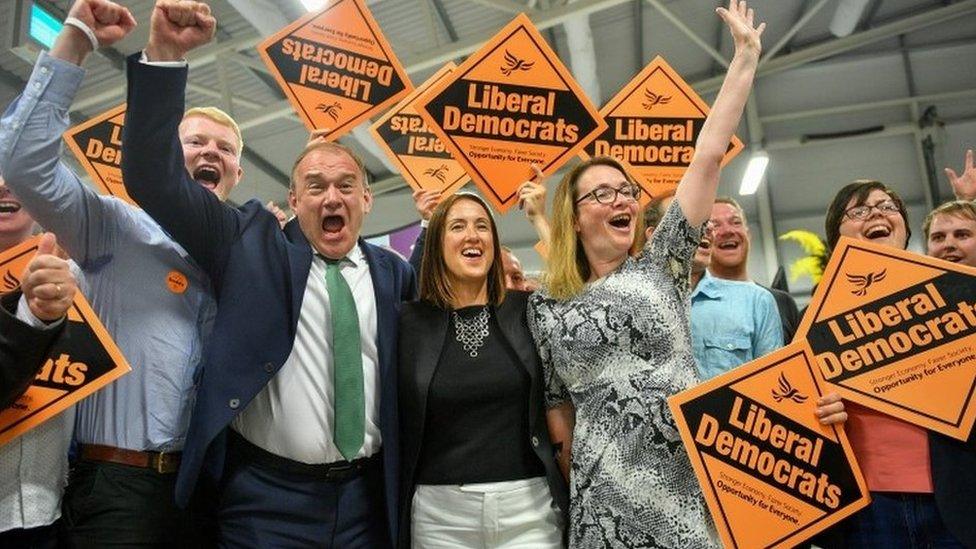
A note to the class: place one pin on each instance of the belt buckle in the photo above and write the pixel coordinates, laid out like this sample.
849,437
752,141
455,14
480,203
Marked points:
163,463
340,471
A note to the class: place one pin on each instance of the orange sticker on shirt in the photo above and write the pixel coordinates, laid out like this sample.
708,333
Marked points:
97,144
83,360
511,104
424,161
336,67
652,126
772,475
896,331
176,282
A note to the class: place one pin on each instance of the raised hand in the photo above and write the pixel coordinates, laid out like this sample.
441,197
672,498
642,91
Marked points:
964,186
532,194
739,18
277,212
425,202
47,283
177,27
319,135
109,21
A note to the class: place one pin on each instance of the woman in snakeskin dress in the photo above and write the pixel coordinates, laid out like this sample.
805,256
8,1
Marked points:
613,333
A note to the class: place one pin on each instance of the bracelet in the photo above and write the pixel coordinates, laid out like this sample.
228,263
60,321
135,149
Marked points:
85,29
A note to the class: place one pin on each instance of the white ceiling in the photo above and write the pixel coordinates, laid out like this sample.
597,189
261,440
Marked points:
904,57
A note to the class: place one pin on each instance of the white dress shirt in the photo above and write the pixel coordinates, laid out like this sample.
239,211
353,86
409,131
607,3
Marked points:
34,466
293,415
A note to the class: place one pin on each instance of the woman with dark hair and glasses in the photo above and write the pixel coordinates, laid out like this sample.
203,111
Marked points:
478,468
894,455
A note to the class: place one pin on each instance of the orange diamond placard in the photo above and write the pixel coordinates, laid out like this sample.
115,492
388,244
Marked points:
652,126
97,144
511,104
896,331
424,161
336,67
83,360
772,475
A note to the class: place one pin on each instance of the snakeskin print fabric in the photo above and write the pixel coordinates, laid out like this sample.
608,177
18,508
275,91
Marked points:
617,351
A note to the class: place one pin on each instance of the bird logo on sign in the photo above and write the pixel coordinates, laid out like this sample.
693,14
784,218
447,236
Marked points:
332,110
10,282
863,282
513,64
654,99
787,391
439,173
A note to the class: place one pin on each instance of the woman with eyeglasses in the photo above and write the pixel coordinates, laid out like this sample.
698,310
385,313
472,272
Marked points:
477,465
613,332
893,455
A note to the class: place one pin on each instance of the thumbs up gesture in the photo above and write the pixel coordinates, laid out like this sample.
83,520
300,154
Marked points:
48,284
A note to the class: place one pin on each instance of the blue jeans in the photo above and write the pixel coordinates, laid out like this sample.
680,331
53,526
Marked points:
895,521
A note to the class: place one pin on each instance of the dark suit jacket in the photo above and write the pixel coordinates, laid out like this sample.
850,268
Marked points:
423,328
259,273
954,476
23,350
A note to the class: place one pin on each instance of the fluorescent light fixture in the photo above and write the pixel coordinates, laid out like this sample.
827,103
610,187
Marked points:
313,5
44,26
754,172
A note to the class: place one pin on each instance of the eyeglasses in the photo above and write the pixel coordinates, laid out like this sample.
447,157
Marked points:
863,211
608,195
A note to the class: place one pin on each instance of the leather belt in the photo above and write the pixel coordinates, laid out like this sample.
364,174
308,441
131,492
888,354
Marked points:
330,472
161,462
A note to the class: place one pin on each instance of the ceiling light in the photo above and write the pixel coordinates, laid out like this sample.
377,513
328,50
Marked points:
754,172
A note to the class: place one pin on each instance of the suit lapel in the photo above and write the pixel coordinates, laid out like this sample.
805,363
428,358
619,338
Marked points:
386,300
299,253
510,320
429,348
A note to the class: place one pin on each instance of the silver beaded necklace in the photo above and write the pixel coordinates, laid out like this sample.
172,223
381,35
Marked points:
471,332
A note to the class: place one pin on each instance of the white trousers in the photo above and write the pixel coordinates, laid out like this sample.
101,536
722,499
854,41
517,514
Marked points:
518,513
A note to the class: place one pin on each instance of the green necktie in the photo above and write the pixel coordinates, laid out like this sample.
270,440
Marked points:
348,400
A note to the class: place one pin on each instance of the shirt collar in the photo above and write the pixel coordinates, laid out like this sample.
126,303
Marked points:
707,287
355,256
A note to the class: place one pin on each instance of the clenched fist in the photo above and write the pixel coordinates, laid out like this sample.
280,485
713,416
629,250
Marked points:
109,21
177,27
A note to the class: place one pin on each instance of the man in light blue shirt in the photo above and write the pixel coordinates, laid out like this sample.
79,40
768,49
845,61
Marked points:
155,301
732,322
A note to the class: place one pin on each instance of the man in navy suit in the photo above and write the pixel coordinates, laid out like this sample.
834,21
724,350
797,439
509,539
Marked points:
294,429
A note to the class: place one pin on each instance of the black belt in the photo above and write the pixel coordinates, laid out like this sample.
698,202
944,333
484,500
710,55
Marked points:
331,472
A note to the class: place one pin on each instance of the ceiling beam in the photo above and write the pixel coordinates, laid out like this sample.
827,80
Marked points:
113,89
837,46
934,98
797,26
699,41
504,5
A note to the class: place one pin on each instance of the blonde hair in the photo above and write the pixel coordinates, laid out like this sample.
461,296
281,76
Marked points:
220,117
957,208
568,267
